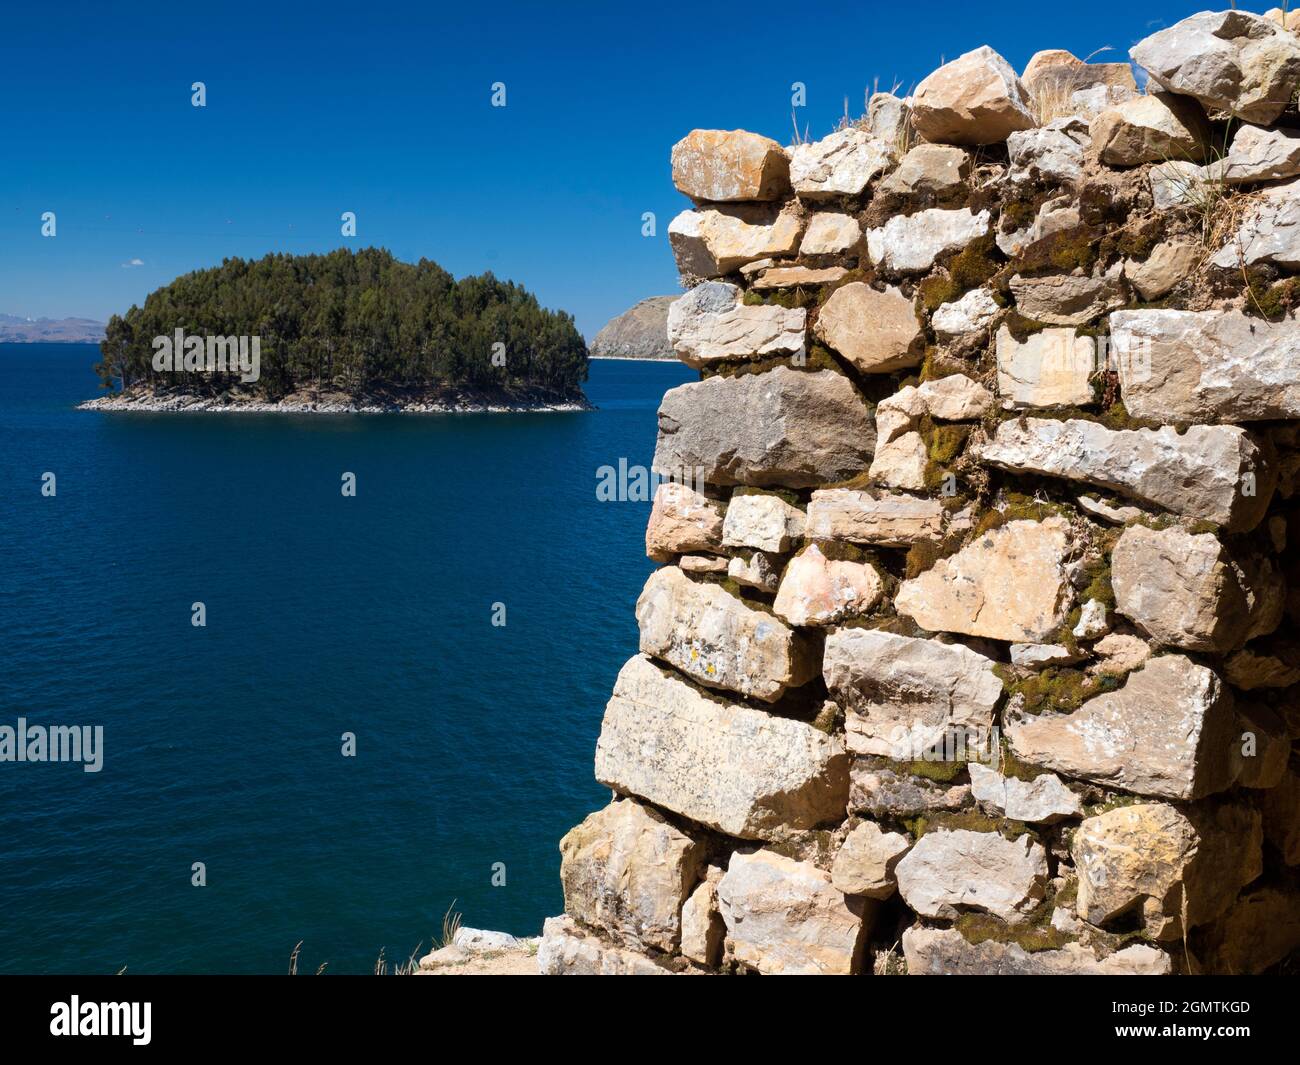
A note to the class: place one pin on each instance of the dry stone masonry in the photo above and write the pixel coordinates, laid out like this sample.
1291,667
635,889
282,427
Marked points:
973,644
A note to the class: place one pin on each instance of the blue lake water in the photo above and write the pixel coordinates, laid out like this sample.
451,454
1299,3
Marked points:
325,615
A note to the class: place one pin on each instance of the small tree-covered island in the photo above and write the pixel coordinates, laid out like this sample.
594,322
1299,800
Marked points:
345,331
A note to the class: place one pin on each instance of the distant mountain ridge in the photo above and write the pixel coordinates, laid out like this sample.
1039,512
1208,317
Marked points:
16,330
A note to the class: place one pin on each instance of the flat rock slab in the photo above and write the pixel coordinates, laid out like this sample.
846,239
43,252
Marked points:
725,165
736,769
1215,472
945,952
1008,584
711,323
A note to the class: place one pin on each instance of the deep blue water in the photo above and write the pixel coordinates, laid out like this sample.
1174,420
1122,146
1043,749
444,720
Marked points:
325,615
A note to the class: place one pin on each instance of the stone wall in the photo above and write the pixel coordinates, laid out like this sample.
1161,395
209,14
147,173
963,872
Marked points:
972,649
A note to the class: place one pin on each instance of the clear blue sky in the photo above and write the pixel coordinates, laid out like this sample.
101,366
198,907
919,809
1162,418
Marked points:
384,109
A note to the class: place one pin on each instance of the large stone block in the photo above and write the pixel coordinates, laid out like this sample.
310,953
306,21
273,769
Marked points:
909,244
733,768
1215,472
975,99
876,331
1228,60
568,950
1207,366
1166,864
716,241
711,323
785,427
716,640
1009,584
1170,732
682,520
725,165
627,871
784,917
873,517
838,165
902,695
949,872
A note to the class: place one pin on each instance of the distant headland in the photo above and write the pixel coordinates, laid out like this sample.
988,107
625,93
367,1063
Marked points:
15,329
342,332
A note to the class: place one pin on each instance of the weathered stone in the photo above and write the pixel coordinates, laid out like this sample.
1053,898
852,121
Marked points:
1062,84
1057,215
1093,621
945,952
1096,508
909,244
829,233
762,521
1169,264
841,164
1068,299
718,641
701,564
702,928
901,462
1044,800
864,864
638,333
1178,183
568,950
973,312
1166,864
1207,366
883,792
819,591
1269,232
1051,153
954,398
711,323
681,520
1280,806
1228,60
723,165
1261,155
1009,584
1182,590
1118,654
1199,473
716,241
1274,667
1151,129
1168,732
766,774
1261,929
932,170
784,917
756,569
975,99
779,277
890,119
1051,368
873,517
626,871
1042,655
876,331
784,427
903,695
949,872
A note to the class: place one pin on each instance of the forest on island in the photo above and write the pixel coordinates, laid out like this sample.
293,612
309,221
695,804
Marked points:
355,322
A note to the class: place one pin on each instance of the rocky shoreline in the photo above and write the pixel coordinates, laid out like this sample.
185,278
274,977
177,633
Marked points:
454,402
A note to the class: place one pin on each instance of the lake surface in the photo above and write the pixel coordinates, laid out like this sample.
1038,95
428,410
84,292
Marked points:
325,615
